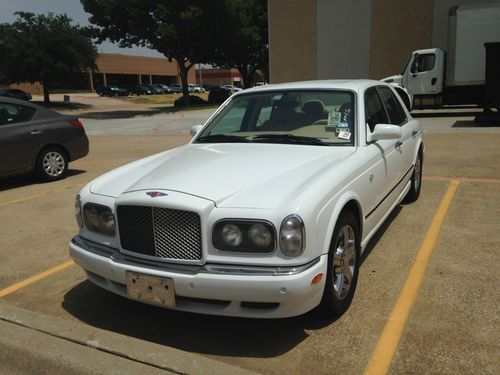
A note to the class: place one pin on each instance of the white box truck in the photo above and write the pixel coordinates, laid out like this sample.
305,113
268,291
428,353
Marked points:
434,77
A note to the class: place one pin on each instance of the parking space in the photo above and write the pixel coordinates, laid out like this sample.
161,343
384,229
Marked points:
451,328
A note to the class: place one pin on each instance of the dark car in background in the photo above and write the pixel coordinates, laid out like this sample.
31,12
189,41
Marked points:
219,94
15,93
34,138
112,91
140,90
164,88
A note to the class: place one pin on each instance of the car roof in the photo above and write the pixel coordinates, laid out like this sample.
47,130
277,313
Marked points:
341,84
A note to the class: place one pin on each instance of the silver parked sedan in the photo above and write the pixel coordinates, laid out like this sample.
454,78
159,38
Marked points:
34,138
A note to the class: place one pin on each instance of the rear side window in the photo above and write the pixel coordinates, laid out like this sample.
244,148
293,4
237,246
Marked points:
374,110
394,110
14,113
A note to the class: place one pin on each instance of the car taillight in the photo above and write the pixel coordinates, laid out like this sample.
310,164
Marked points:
76,123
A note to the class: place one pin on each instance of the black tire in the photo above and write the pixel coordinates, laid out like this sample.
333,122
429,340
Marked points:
52,164
416,180
339,289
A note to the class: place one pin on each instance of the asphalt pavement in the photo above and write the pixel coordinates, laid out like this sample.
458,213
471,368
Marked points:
53,321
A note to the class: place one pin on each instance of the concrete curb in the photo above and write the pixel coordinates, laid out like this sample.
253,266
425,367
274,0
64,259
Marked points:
110,343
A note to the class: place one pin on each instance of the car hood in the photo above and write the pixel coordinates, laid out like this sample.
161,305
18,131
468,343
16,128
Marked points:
229,174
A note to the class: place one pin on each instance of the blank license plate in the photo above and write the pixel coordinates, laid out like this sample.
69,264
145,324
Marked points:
151,289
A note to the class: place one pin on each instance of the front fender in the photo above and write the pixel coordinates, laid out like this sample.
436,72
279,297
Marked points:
330,214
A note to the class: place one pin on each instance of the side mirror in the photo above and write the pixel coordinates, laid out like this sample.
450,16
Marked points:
195,129
385,131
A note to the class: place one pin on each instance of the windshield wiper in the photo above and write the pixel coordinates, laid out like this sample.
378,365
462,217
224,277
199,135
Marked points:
222,138
288,138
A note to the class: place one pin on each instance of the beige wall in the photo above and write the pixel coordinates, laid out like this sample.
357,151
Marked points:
343,33
398,28
292,40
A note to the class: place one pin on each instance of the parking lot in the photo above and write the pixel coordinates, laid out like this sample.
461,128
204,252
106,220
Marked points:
55,320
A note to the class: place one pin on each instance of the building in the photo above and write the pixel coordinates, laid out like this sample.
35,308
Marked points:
117,70
207,77
327,39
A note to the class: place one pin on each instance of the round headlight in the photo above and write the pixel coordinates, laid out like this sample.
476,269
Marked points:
292,236
260,235
99,219
231,234
78,211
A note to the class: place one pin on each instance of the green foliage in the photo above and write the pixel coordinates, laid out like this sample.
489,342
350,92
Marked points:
242,40
41,47
179,29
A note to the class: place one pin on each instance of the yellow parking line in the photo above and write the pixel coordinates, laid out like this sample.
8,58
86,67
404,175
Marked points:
29,197
35,278
477,180
387,344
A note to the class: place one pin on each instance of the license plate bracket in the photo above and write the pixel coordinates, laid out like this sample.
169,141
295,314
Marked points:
151,289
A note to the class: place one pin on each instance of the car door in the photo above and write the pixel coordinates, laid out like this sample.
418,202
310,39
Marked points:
381,160
18,138
405,147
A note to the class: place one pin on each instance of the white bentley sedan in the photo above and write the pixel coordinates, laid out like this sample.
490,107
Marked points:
265,213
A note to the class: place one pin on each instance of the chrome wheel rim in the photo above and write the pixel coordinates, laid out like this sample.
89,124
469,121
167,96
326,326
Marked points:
53,163
344,262
417,174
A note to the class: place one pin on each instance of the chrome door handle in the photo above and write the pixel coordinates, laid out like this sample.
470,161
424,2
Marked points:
36,132
398,144
414,133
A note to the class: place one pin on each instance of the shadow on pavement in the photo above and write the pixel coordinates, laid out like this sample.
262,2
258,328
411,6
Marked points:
446,114
190,332
379,234
31,179
472,124
108,115
58,105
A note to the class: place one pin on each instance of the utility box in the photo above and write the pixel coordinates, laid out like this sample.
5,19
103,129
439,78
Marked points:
492,76
491,107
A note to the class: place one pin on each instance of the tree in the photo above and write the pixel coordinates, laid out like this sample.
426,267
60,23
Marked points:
39,48
178,29
243,39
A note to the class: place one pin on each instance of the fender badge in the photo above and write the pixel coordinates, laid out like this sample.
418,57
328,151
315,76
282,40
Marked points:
154,194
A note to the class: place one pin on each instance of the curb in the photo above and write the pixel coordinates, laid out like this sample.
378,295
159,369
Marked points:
114,344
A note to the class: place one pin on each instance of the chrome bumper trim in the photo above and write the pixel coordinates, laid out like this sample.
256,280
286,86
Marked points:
213,268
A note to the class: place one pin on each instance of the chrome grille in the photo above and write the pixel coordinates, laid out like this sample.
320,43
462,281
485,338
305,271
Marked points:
160,232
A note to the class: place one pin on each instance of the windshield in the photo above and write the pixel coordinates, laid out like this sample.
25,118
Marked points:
296,117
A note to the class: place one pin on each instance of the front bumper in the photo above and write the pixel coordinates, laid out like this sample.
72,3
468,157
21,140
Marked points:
254,292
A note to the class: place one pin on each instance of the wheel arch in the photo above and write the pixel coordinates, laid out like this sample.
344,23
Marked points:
348,202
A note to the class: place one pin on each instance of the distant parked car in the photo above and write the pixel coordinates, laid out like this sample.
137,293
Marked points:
163,88
112,91
34,138
195,88
15,93
233,88
176,87
140,90
218,94
155,90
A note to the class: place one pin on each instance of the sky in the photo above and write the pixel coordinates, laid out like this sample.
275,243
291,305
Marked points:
74,9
